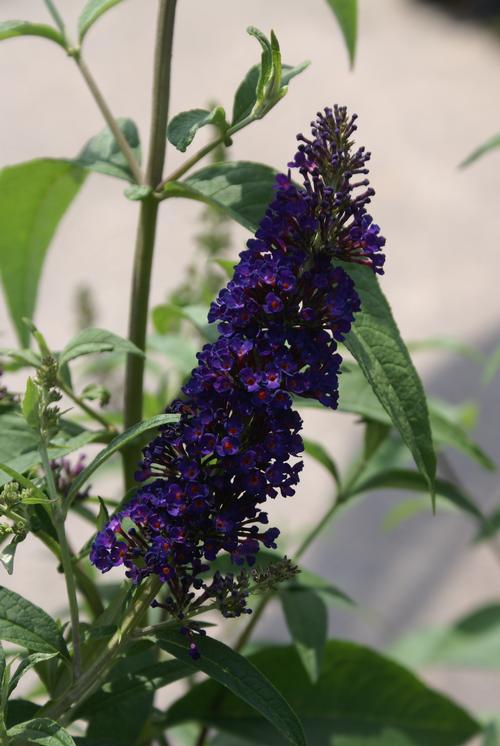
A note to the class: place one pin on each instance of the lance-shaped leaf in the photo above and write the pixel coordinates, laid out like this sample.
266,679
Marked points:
360,699
346,12
25,624
40,731
242,678
184,126
241,189
491,144
96,340
102,154
321,455
307,620
9,29
33,199
375,342
93,10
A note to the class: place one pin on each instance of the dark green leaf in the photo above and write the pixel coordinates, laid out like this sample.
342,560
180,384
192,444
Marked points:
183,127
116,445
320,454
103,155
246,95
406,479
241,189
491,144
473,641
25,624
347,17
25,665
238,675
40,731
360,699
9,29
91,12
307,620
96,340
33,198
19,711
375,342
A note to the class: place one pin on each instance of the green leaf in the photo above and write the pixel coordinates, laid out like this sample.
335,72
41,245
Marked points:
321,455
491,736
26,665
183,127
40,731
30,405
472,641
241,189
375,342
7,555
347,17
360,699
103,155
166,317
322,586
93,10
448,432
238,675
406,509
447,344
37,497
492,366
137,192
406,479
96,340
25,624
307,620
486,147
245,98
33,198
9,29
116,445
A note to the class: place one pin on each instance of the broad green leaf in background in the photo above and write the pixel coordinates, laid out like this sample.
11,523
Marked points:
246,95
375,342
40,731
491,735
33,199
307,620
321,455
472,641
167,316
25,624
360,699
238,675
93,10
116,445
102,154
446,344
177,348
96,340
184,126
347,17
242,189
491,144
404,510
9,29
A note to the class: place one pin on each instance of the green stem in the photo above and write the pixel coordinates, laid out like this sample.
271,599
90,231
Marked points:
146,234
86,408
56,16
66,706
109,118
58,516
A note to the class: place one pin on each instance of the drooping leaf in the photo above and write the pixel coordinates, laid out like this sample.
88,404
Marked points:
9,29
40,731
347,17
321,455
96,340
486,147
238,675
376,344
103,155
448,432
26,665
307,620
25,624
241,189
184,126
33,199
116,445
472,641
360,699
93,10
246,95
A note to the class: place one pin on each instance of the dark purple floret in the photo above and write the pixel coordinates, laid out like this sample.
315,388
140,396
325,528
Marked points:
238,441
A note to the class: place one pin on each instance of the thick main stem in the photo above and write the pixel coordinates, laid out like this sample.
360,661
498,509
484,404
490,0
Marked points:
146,233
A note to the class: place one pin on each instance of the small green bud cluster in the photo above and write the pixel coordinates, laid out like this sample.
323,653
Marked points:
46,380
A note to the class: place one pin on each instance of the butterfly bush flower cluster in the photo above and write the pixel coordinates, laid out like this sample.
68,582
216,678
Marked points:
205,479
